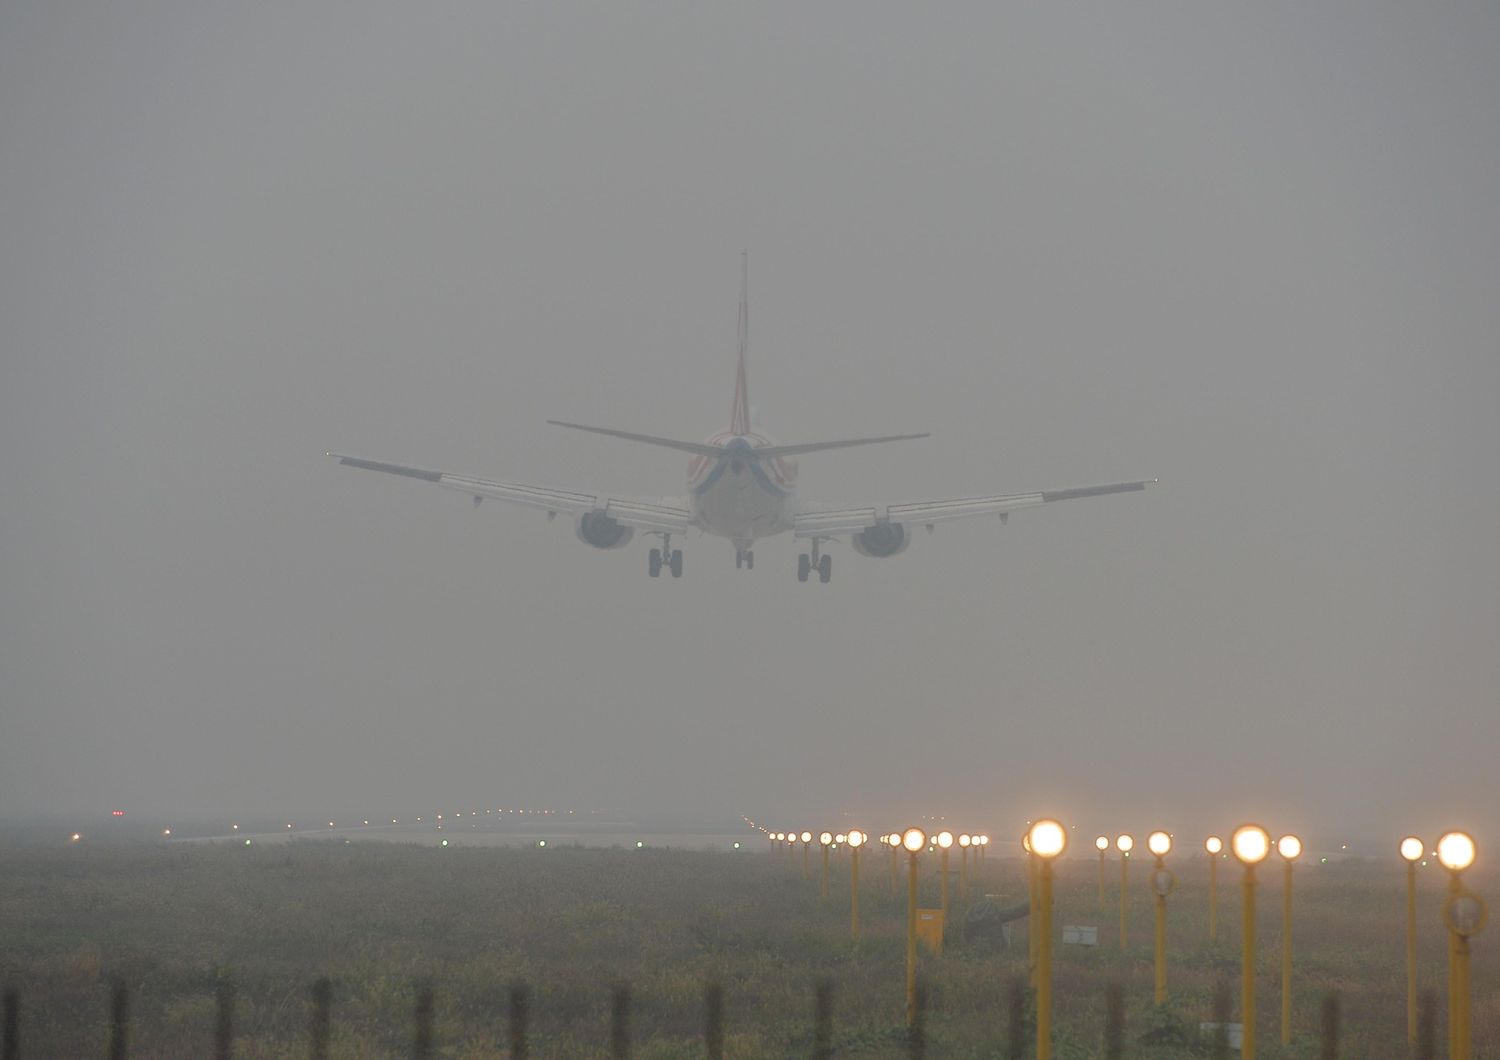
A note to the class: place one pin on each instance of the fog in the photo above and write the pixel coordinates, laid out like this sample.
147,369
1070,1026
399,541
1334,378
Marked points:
1251,252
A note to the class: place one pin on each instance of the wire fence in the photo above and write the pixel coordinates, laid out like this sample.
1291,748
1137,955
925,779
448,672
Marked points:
1016,1002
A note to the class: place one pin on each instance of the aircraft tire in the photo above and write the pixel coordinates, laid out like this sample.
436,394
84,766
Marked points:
654,563
825,568
677,563
749,560
804,567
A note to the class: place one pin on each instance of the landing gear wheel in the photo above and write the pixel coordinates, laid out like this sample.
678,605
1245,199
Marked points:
749,560
739,560
677,563
804,567
654,565
825,568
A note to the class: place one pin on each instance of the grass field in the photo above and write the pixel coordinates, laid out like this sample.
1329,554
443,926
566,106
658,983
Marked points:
380,920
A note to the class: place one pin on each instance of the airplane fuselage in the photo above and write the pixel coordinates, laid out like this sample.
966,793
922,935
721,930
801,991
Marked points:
739,495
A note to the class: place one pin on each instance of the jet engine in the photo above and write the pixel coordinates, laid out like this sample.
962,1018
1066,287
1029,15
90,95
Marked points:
598,529
883,540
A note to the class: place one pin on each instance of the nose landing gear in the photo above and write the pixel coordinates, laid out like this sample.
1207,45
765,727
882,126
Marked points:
744,558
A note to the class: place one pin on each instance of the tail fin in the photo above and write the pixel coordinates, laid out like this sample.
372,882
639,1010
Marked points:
739,416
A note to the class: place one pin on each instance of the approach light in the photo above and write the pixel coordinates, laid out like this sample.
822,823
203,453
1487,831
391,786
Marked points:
1250,843
1048,839
1101,844
1289,847
541,842
825,838
1125,844
1159,843
76,837
247,842
914,839
984,840
443,843
235,827
330,824
1213,844
1411,848
841,839
945,839
806,837
857,839
736,845
166,831
963,839
1456,851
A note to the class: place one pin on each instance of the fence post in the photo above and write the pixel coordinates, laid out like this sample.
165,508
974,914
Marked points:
1427,1026
422,1044
119,1022
917,1041
10,1041
1219,1048
713,1020
1114,1022
519,1015
619,1023
224,1020
322,999
1330,1026
823,1019
1015,1009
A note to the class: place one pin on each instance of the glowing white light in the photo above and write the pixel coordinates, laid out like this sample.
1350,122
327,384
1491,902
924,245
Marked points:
1048,839
1411,848
1159,843
1456,851
1250,843
1125,844
857,839
1289,847
1101,844
945,839
1213,844
825,838
914,839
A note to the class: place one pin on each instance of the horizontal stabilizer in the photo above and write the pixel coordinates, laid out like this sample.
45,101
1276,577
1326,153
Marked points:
814,447
698,448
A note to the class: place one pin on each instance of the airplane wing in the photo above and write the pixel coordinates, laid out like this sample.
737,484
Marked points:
627,511
830,522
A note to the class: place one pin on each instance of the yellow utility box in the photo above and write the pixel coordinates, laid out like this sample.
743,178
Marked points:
930,929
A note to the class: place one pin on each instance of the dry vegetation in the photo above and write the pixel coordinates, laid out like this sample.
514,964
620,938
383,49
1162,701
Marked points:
172,922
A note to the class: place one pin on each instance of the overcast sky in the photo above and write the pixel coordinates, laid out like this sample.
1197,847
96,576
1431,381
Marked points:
1252,250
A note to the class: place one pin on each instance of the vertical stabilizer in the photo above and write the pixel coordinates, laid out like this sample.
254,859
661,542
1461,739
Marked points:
739,417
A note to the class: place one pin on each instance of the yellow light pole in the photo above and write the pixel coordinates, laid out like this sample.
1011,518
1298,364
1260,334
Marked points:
825,839
1031,911
944,842
1251,844
964,842
1124,844
895,841
856,840
1290,849
1464,914
1214,846
806,838
1163,883
1411,853
912,841
984,842
1046,840
1102,845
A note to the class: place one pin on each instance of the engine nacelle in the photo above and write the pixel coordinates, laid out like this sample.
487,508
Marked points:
882,541
599,530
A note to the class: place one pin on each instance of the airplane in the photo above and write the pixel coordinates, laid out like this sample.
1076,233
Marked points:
741,485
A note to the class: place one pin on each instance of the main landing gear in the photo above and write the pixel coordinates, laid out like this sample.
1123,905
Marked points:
744,558
823,564
666,556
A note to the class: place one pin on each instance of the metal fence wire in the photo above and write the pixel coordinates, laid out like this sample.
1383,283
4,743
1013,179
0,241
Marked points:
1016,1002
